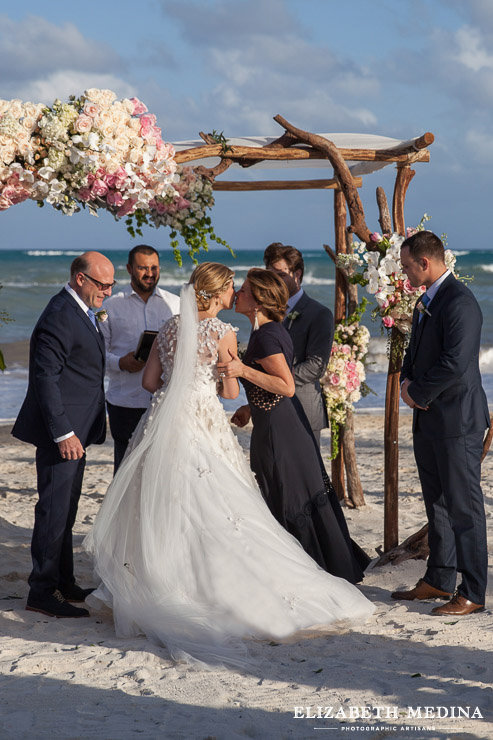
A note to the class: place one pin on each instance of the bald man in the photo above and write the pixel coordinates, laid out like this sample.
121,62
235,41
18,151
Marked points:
62,414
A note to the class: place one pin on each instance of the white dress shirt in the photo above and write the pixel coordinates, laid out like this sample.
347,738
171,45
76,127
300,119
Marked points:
293,300
128,317
432,290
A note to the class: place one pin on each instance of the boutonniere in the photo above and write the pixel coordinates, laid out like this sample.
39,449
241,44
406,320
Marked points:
101,316
292,315
422,309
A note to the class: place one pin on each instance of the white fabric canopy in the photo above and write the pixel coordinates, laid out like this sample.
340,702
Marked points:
342,141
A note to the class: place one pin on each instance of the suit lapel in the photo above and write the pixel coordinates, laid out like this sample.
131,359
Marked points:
84,318
419,326
299,306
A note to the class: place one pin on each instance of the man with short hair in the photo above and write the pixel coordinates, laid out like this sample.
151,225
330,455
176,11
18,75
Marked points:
138,307
62,414
441,382
311,326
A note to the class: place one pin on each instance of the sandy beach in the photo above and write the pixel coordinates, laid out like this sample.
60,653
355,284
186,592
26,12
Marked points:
73,679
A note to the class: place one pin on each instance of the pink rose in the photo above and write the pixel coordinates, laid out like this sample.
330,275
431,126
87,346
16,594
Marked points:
99,188
408,288
147,123
139,107
346,349
127,207
376,237
114,198
351,366
110,180
335,379
388,321
350,386
181,203
84,194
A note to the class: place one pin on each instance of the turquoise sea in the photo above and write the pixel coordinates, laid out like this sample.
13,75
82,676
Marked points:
30,277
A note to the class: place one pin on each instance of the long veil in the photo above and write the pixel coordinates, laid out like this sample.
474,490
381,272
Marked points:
147,518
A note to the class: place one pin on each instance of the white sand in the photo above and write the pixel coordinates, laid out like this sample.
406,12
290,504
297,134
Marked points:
62,678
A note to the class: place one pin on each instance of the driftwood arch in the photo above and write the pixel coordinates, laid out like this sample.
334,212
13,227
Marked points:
348,163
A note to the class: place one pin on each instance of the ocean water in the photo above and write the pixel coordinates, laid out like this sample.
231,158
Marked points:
30,277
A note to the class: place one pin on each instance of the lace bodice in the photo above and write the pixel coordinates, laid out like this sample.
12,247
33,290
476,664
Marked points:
210,333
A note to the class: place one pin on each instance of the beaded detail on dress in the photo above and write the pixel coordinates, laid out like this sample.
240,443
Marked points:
261,398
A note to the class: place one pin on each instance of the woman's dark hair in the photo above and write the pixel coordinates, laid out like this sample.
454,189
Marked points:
270,292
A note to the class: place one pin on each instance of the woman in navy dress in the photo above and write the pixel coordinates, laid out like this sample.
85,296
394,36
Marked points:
283,453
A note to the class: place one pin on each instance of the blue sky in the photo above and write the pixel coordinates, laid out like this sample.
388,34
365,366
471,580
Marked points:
385,67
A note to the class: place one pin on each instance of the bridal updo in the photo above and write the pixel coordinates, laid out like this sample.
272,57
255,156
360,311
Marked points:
210,279
270,292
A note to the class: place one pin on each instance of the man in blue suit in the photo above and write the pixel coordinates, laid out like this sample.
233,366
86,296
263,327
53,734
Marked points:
441,382
62,414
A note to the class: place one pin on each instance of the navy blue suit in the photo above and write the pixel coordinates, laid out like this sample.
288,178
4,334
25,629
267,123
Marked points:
65,393
442,363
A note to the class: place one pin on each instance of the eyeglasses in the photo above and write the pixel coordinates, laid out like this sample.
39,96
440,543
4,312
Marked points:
98,284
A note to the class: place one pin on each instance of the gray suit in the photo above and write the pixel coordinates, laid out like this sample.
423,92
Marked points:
312,333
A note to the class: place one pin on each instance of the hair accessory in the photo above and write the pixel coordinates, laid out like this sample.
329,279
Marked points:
204,294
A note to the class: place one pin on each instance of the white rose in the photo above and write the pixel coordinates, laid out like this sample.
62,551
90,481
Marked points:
121,143
104,98
83,124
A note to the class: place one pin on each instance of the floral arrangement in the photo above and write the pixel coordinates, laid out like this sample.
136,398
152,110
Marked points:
95,151
345,379
183,209
383,277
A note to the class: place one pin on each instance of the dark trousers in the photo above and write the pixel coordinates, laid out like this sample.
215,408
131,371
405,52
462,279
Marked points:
450,475
59,488
123,422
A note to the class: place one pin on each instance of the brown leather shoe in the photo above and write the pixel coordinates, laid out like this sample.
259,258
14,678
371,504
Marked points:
458,606
422,590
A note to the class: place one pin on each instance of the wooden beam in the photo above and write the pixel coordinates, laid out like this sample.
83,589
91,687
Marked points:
242,187
258,154
340,219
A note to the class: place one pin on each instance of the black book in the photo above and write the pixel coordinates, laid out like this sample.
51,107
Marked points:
145,343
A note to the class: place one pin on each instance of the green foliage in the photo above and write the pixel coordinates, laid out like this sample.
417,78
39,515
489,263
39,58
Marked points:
219,138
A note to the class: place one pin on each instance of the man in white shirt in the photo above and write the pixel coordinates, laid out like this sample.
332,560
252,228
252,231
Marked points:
140,306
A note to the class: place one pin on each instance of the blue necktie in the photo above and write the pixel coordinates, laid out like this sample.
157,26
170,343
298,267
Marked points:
425,300
92,316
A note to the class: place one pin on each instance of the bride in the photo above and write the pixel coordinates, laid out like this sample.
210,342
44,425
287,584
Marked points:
187,551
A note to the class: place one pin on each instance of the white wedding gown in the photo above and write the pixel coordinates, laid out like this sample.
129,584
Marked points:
187,550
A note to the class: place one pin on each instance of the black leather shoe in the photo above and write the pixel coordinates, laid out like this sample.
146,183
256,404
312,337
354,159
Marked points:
75,593
54,605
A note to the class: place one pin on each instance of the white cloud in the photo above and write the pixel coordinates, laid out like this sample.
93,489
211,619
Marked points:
471,50
69,82
480,145
34,47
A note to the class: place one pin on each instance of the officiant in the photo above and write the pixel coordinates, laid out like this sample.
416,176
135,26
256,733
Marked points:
140,307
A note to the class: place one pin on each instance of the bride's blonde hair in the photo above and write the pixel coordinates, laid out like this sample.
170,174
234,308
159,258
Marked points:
210,279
